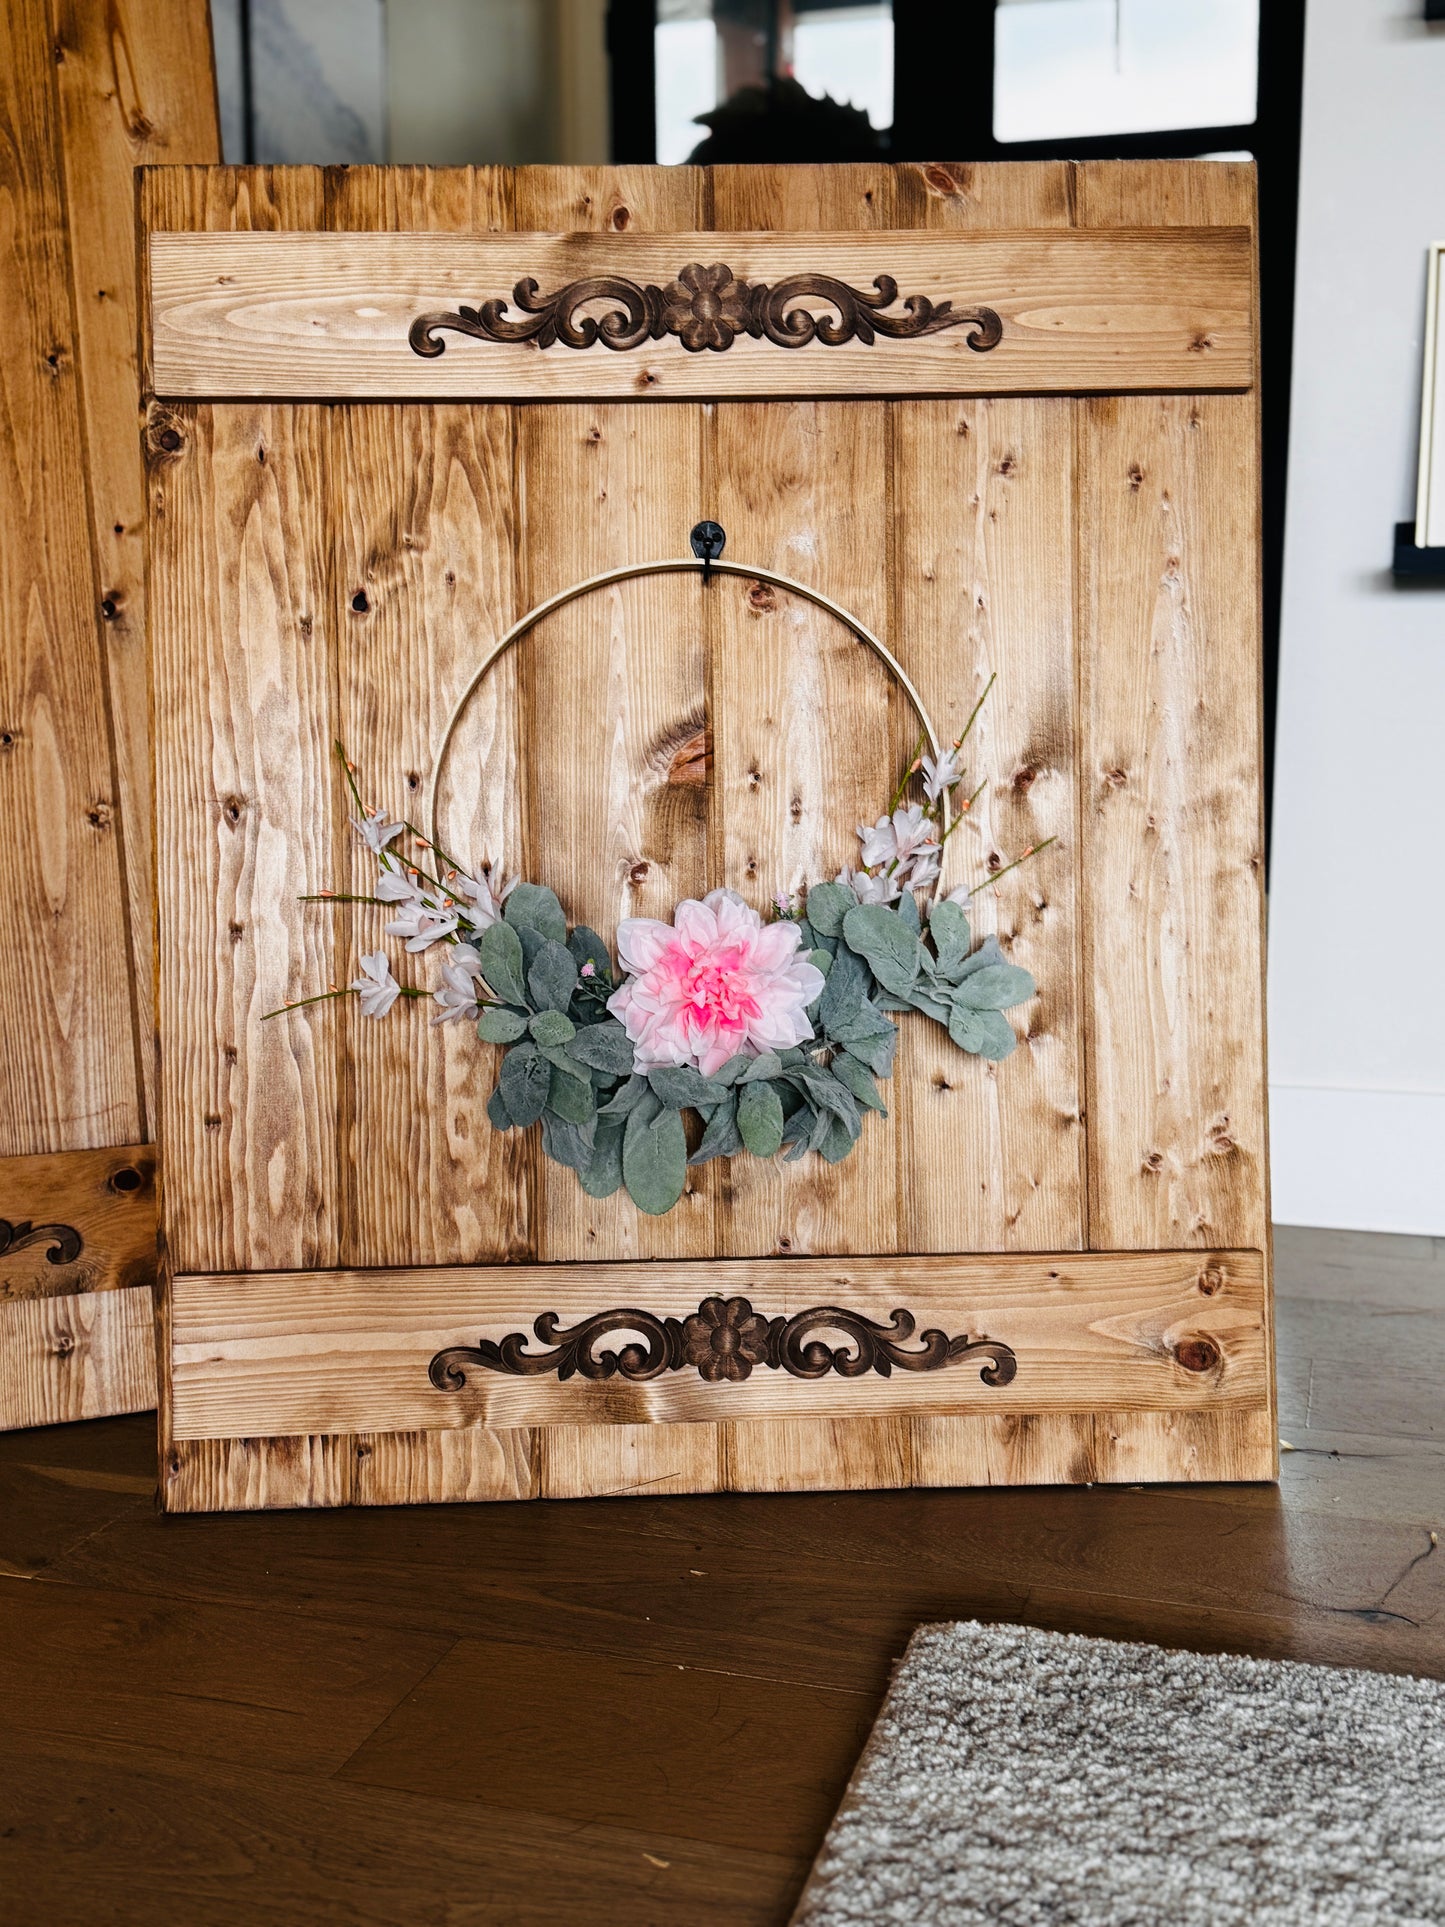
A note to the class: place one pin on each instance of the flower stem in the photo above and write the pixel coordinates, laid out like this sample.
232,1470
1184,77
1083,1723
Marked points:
994,875
321,997
963,812
909,767
973,714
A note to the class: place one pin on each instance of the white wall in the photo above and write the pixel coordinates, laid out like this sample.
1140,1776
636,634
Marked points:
1357,899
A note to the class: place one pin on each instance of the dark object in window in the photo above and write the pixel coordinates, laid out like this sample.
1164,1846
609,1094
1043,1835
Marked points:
781,121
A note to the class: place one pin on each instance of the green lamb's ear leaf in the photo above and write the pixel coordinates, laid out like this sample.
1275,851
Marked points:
836,1141
760,1119
767,1064
499,1025
525,1079
532,906
498,1115
987,953
873,1040
654,1160
552,977
937,1008
907,911
848,1070
572,1097
984,1033
885,941
733,1069
569,1143
587,947
500,950
626,1098
828,904
552,1027
849,982
678,1085
721,1139
948,927
995,987
603,1174
603,1047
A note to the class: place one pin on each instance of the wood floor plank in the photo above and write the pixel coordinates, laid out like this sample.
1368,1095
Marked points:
132,1837
629,1663
496,1723
206,1682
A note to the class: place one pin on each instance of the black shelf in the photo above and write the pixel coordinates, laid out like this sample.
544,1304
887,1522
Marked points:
1412,564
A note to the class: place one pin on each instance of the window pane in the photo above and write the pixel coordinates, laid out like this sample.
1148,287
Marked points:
686,56
1071,68
848,52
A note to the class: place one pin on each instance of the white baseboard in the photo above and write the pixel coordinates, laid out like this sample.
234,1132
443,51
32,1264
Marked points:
1358,1160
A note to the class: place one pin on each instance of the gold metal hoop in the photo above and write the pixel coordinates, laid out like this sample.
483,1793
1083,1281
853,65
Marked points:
678,565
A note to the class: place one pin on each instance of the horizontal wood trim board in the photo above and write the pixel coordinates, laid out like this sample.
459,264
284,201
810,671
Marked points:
327,316
80,1357
276,1353
74,1221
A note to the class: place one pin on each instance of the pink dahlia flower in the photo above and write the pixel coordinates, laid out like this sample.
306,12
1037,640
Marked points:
714,982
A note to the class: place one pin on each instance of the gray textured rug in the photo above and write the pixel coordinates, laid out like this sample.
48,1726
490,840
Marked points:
1026,1777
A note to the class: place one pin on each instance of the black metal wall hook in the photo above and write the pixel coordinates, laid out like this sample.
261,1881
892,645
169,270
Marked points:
708,539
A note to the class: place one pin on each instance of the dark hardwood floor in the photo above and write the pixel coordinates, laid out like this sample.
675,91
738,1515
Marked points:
635,1711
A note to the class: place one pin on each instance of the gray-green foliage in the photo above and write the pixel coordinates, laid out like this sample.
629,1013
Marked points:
569,1065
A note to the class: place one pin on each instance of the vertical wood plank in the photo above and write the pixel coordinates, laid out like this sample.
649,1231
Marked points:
614,689
68,1055
246,797
1173,839
809,736
421,504
1171,710
984,584
135,85
422,514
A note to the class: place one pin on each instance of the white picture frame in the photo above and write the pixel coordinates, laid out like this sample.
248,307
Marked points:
1430,495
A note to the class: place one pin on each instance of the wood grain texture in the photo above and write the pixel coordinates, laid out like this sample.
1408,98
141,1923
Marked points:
135,86
246,800
107,1198
69,1072
331,1351
614,686
809,734
1172,823
330,316
957,530
1334,1568
83,1356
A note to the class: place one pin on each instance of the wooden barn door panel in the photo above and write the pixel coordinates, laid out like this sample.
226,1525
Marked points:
86,92
656,738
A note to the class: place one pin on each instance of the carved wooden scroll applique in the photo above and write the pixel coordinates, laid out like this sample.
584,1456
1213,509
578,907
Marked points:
66,1243
724,1339
707,307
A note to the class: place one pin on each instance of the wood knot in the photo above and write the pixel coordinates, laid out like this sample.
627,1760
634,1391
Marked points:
638,874
1197,1354
760,598
9,738
99,816
64,1344
945,182
169,439
1115,779
1202,344
1025,778
620,218
691,760
110,607
126,1179
1136,478
1153,1161
233,808
359,602
1212,1279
